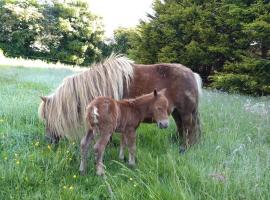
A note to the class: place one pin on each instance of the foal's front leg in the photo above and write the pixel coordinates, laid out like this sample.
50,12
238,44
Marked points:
86,140
99,151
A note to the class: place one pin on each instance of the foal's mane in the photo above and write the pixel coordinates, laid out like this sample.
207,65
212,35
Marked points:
141,99
64,109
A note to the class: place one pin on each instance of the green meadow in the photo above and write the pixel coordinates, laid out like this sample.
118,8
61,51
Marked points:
232,160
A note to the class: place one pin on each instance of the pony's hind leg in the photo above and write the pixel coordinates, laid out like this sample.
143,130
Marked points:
178,121
86,140
99,151
191,126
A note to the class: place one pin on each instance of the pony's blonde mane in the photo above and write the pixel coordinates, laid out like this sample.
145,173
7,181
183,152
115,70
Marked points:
64,109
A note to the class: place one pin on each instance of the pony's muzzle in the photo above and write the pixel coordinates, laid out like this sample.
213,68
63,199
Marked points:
163,124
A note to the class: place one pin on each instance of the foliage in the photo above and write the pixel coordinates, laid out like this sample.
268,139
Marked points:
205,35
200,34
230,162
122,37
122,42
251,76
20,23
56,30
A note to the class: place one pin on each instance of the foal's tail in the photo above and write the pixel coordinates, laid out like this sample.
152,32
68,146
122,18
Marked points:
199,83
91,117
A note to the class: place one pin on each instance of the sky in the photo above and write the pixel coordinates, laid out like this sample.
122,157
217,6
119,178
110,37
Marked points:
120,13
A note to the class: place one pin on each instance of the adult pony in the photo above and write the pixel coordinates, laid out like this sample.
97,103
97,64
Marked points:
118,77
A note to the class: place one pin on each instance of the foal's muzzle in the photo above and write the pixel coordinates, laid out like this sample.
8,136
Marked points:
163,124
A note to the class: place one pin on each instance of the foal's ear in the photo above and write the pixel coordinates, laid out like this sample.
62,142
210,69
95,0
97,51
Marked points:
155,92
163,91
43,98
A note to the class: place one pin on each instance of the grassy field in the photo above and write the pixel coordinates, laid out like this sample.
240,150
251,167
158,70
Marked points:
232,161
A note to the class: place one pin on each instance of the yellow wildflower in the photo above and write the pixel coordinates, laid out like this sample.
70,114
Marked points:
65,187
49,147
17,162
74,176
71,187
36,144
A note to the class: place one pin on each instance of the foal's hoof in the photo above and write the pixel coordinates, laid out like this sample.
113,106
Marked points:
182,150
132,165
121,157
100,171
83,173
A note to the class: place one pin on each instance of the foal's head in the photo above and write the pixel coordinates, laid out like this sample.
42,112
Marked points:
160,109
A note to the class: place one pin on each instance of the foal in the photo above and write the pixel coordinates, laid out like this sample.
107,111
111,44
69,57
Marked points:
105,115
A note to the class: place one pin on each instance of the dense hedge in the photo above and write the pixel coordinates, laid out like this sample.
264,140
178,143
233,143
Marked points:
228,40
251,76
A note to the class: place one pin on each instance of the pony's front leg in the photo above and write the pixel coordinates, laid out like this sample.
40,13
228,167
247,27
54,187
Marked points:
123,144
131,142
86,140
99,151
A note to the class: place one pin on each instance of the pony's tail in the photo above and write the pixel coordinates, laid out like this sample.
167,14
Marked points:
199,83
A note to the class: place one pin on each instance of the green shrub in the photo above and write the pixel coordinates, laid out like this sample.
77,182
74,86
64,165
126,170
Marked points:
250,76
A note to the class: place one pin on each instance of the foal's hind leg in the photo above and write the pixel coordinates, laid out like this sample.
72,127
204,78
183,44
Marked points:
123,143
131,142
86,140
99,150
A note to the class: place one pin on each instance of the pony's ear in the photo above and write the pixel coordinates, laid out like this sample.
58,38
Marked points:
43,98
155,92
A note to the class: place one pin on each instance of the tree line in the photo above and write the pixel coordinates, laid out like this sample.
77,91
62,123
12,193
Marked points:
226,41
53,30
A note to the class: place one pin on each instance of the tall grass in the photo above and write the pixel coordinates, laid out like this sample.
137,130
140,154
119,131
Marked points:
232,161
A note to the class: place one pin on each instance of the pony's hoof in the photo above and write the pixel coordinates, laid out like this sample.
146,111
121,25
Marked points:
182,150
52,140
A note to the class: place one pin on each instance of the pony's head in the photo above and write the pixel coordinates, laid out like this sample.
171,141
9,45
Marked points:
43,112
160,109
